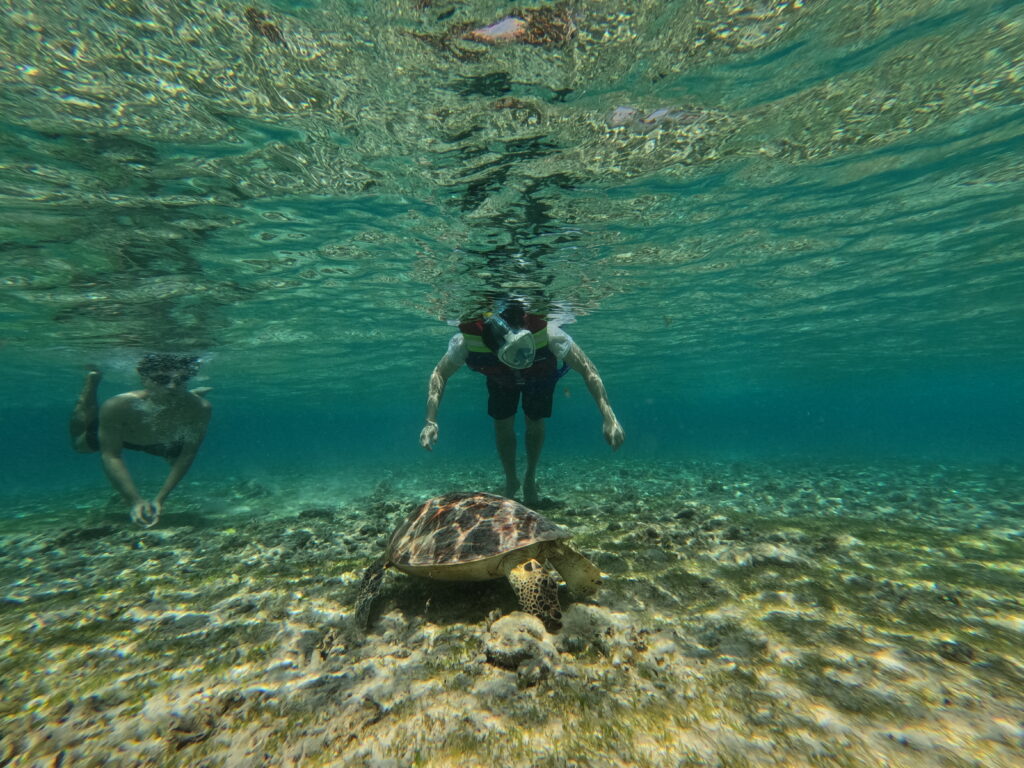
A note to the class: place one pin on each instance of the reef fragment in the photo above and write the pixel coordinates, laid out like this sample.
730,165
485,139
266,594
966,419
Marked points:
664,117
550,26
260,24
508,29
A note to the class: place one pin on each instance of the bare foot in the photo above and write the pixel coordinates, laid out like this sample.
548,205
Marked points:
87,397
84,415
92,380
511,488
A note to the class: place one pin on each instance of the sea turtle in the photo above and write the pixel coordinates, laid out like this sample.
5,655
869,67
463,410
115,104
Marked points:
479,536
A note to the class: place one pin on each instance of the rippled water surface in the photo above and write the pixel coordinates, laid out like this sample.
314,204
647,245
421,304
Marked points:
788,233
741,190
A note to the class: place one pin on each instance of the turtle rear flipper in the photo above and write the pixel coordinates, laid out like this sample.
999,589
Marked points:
369,590
537,591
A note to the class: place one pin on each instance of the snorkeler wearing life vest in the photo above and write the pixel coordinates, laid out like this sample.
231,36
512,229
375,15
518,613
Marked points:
522,355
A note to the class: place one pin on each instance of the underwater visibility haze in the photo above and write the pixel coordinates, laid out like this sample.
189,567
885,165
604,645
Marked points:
789,236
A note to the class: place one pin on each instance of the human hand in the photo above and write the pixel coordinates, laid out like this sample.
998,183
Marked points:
613,432
428,435
146,513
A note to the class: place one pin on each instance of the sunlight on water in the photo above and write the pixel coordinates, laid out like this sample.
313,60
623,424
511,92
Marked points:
787,176
786,228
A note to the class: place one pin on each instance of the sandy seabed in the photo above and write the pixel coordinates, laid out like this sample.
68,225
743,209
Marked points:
753,614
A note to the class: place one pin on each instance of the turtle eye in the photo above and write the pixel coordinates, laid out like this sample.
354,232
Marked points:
529,567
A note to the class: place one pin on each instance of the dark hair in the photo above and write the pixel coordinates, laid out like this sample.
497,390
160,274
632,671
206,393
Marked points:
514,314
161,362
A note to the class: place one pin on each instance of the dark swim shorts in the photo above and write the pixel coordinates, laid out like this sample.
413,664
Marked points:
502,401
163,450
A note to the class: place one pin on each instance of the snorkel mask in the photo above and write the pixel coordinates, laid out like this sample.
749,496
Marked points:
516,348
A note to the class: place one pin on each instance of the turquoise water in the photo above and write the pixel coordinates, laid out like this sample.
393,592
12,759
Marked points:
824,255
787,233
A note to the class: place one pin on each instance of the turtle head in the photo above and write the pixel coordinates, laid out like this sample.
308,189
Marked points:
537,591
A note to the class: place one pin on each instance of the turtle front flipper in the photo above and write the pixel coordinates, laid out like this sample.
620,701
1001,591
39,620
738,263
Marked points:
537,591
369,590
581,576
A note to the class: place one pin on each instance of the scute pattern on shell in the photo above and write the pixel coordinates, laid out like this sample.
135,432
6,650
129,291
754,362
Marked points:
463,527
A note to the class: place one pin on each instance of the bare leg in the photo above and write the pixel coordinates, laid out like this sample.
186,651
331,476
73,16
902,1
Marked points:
505,439
86,412
534,445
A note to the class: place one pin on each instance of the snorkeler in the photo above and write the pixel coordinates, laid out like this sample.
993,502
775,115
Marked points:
164,419
522,355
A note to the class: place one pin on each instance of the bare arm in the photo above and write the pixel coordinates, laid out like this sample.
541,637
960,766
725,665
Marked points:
435,391
579,362
181,464
111,436
178,469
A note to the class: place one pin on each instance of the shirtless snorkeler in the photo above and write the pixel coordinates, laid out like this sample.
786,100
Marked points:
164,419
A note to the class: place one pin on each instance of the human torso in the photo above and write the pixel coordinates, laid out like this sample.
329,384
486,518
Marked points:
481,358
144,420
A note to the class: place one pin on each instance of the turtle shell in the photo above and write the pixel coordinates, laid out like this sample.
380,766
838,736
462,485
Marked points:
466,527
